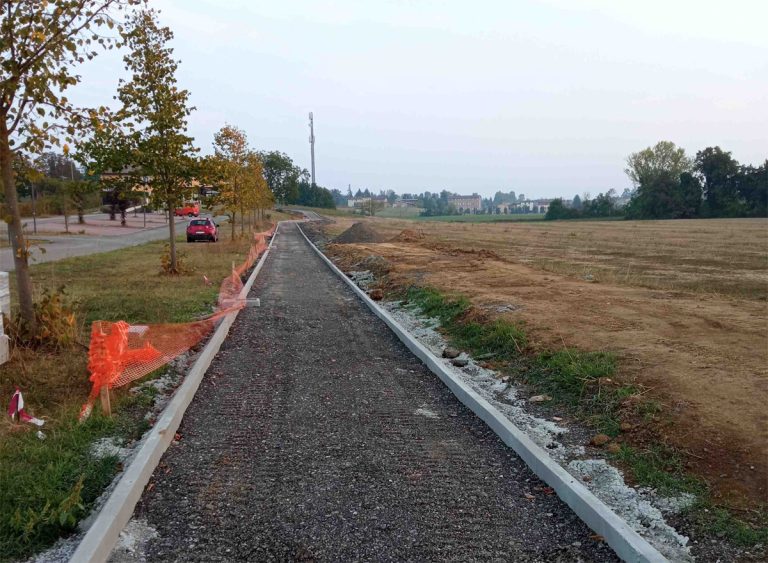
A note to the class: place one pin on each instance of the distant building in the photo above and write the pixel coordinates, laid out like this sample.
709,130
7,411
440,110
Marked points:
400,202
528,206
466,203
357,201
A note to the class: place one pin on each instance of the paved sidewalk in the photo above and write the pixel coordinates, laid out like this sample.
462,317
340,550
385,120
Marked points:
317,436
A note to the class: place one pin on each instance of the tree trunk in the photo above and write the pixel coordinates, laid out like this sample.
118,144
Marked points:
172,232
242,219
18,244
233,224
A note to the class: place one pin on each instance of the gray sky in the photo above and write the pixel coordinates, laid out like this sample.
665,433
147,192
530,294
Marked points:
543,97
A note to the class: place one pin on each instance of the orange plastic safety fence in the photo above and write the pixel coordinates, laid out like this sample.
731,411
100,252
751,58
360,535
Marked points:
120,353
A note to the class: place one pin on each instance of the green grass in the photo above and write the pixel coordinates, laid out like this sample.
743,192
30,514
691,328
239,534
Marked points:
435,304
577,379
47,486
659,467
662,468
724,524
399,212
499,338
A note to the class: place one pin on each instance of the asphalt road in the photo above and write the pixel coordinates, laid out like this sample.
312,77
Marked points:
58,247
317,436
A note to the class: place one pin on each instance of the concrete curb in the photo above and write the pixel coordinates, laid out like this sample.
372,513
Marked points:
627,543
101,537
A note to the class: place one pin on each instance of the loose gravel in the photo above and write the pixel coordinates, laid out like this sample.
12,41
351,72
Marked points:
317,436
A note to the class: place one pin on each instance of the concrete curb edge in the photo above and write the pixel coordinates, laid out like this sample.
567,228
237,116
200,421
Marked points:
625,541
101,537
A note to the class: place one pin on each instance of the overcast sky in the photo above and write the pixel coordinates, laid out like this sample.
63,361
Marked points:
542,97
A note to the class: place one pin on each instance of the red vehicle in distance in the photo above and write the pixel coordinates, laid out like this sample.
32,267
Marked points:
202,229
190,209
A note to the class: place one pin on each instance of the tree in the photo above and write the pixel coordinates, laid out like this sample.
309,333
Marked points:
282,175
41,44
663,159
155,113
558,210
602,206
657,198
256,193
576,202
690,196
752,185
718,171
109,155
656,173
230,146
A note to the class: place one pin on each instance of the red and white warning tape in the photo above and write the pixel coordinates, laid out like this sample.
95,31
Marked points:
16,409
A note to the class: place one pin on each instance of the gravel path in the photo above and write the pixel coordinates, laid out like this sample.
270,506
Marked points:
317,436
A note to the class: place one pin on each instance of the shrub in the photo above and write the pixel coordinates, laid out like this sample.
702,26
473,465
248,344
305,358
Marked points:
56,324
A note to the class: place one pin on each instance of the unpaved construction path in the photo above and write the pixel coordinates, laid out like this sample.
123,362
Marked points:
317,436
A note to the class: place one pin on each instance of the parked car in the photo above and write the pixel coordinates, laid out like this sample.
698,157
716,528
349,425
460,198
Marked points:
202,229
190,209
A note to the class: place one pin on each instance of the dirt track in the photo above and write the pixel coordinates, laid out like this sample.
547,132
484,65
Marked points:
316,435
696,338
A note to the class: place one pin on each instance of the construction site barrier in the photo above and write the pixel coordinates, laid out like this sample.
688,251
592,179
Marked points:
120,353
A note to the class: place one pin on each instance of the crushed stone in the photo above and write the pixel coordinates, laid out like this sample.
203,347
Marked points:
363,279
131,544
110,446
635,506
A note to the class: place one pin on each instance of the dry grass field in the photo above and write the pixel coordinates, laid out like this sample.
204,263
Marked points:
684,305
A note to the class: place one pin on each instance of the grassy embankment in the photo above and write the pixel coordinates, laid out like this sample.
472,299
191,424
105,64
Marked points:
47,486
584,384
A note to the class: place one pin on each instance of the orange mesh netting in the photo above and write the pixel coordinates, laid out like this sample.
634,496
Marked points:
120,353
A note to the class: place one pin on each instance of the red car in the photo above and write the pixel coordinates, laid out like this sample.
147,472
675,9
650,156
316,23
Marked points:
202,229
191,209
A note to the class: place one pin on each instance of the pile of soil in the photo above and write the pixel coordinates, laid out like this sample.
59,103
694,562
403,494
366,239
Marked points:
409,235
359,233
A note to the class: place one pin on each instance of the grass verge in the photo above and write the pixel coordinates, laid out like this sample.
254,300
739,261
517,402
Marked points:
48,485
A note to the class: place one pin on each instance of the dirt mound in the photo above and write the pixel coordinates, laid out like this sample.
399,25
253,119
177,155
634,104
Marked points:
359,233
409,235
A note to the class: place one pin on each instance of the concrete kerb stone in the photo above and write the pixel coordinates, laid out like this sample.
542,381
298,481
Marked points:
625,541
101,537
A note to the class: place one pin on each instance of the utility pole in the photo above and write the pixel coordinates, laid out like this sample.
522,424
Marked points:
312,144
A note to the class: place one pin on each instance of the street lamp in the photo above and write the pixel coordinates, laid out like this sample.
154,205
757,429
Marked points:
145,182
34,209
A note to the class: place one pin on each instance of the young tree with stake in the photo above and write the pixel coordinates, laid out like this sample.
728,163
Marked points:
155,113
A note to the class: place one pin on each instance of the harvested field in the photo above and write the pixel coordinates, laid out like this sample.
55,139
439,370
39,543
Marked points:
684,305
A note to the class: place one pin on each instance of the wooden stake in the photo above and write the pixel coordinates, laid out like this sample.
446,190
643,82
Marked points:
106,407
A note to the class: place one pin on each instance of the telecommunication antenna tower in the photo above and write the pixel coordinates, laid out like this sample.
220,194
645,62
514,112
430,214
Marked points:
312,144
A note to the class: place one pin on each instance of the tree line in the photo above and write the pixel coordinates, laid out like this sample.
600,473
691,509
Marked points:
142,142
671,185
602,205
668,184
291,184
